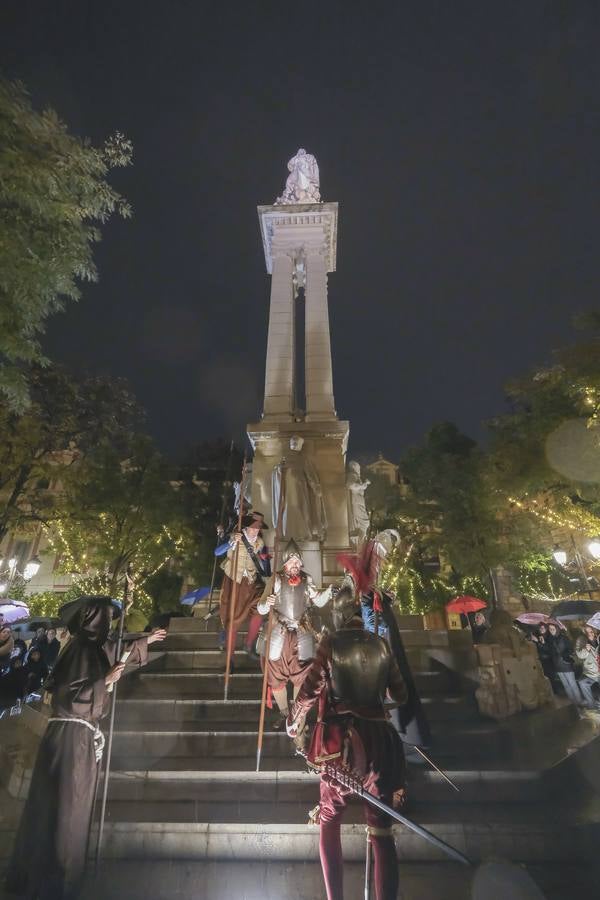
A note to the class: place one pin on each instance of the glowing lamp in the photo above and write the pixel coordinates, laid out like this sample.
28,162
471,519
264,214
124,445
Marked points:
32,568
560,556
594,548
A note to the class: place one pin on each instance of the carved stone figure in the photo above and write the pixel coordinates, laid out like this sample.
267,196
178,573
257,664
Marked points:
237,487
358,517
304,510
302,185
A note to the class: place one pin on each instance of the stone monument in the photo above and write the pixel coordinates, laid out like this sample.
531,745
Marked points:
299,422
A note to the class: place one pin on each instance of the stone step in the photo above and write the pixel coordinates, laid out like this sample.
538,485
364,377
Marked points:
411,636
190,880
195,651
296,812
222,744
425,786
535,838
142,765
271,880
448,757
439,708
246,685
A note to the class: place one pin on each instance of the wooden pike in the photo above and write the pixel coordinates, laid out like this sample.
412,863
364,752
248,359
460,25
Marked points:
368,868
437,768
268,591
226,484
127,597
235,586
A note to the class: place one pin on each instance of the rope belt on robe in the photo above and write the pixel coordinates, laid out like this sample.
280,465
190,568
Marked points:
99,739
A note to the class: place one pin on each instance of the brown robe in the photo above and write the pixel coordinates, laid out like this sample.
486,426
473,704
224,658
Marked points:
248,595
49,855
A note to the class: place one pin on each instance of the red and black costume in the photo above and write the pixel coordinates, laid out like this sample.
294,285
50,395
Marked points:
349,679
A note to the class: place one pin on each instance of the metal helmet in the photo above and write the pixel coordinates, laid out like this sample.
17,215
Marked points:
386,541
292,549
344,604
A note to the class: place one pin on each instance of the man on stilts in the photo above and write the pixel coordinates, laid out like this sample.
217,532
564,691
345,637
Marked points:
349,679
252,566
378,615
292,645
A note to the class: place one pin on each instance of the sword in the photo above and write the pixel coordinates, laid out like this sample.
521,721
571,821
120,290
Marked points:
348,780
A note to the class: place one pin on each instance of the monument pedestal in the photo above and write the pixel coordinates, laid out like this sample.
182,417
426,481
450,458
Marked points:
325,446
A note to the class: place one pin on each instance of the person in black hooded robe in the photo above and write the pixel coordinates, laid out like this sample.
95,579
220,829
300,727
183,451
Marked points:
410,719
48,859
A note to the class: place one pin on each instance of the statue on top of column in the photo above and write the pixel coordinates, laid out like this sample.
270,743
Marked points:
302,185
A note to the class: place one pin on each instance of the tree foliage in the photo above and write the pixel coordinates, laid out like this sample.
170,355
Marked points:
118,509
507,505
54,195
66,417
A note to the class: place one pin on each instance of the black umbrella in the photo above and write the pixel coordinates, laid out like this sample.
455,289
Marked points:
575,609
41,622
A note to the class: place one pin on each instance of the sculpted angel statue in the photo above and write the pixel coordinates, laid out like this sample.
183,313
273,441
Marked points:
302,185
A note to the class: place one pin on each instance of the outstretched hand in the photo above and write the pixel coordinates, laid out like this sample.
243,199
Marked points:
157,634
114,673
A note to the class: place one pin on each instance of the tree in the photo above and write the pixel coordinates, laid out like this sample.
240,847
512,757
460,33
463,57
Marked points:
538,483
118,509
66,417
455,513
206,476
54,194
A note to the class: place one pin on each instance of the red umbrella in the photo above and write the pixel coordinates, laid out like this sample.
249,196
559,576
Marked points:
465,605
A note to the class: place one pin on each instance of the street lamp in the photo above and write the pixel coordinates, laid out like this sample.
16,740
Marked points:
594,548
32,568
560,556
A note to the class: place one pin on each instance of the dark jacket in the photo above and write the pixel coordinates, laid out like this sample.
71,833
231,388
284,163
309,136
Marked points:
562,653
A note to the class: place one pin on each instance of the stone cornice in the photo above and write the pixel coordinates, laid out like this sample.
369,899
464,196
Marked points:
333,429
302,227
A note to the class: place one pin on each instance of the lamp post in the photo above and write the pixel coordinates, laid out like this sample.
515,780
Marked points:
32,568
594,547
561,558
8,575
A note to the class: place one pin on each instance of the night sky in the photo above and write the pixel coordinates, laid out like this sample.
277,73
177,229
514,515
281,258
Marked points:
461,140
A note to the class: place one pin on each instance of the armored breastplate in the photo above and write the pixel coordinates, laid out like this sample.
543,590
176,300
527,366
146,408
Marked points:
360,668
291,604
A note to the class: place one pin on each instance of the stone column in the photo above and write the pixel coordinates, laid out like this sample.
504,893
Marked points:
279,371
318,370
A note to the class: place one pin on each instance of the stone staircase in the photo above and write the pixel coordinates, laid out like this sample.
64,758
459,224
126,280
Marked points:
184,786
189,817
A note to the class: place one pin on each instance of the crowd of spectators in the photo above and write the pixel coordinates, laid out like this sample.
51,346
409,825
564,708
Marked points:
25,663
570,661
569,655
